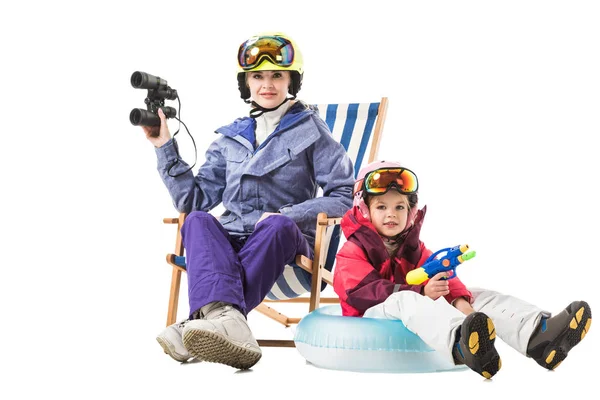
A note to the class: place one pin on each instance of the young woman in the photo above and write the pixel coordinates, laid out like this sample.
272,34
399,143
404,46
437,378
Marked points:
265,169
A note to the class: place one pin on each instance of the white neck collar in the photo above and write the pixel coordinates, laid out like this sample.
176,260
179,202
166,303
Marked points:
268,121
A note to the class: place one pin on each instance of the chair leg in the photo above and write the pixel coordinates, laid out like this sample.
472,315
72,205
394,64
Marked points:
174,296
275,343
273,314
317,264
176,274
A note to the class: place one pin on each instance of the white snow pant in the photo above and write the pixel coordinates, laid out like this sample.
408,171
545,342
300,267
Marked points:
436,322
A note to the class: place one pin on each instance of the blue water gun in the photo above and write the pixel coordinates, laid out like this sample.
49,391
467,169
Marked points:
448,262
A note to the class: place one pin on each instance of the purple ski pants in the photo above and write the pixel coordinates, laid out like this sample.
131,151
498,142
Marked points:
221,267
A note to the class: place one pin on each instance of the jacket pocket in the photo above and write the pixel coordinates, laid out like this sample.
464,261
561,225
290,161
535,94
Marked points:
268,163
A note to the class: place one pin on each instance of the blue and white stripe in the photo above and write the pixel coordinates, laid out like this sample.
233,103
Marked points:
351,125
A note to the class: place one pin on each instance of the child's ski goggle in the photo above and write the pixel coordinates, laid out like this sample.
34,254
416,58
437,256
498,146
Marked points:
382,180
254,51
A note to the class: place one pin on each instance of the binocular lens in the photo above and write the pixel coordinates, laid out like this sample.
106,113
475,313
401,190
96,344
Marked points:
137,79
138,116
142,80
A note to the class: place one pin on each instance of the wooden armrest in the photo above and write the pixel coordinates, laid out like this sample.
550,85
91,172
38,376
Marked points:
171,262
304,262
323,220
178,220
307,264
331,221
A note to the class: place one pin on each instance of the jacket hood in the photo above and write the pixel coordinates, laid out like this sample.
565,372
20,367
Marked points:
353,220
246,126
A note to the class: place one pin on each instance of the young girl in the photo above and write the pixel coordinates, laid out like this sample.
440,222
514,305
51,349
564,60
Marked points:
461,324
266,170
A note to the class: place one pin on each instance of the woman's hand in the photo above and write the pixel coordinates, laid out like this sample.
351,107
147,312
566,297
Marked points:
437,287
158,135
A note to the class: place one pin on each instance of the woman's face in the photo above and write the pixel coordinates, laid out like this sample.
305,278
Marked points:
268,88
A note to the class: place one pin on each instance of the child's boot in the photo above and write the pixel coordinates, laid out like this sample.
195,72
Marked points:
555,337
222,336
475,345
171,340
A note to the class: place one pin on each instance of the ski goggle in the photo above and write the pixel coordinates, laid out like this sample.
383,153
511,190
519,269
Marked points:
276,49
382,180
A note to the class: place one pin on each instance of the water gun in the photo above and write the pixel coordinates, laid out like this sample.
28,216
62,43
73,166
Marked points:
448,262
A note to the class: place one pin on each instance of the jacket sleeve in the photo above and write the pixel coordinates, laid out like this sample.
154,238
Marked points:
190,193
334,173
358,284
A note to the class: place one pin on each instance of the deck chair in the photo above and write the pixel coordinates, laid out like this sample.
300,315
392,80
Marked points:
358,127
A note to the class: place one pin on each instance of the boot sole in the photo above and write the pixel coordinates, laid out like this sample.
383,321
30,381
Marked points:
167,347
558,349
214,347
477,342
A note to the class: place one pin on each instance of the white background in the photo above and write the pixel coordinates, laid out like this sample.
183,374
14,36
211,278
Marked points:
493,104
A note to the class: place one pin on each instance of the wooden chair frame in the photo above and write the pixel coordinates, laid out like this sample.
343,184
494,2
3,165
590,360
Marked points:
317,269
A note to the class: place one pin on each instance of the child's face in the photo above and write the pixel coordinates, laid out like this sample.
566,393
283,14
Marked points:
268,88
389,212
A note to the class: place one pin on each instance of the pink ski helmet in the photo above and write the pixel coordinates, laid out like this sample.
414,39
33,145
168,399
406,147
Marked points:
377,178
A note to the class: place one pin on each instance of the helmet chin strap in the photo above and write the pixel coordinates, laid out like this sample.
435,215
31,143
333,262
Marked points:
259,110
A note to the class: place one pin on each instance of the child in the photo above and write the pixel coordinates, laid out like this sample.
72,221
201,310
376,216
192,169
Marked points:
266,170
383,246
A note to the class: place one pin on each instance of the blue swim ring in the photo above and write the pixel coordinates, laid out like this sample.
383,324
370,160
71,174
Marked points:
329,340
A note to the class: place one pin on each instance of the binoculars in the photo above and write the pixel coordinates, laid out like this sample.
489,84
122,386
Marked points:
158,91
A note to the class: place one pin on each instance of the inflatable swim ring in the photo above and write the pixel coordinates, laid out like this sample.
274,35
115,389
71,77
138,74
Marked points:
329,340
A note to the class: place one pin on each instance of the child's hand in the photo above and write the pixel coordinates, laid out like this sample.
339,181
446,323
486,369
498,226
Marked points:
437,286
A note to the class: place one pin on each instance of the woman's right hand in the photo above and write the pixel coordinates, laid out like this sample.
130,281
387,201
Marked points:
437,287
158,135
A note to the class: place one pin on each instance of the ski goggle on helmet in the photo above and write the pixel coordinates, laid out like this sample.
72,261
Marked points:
379,177
278,50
